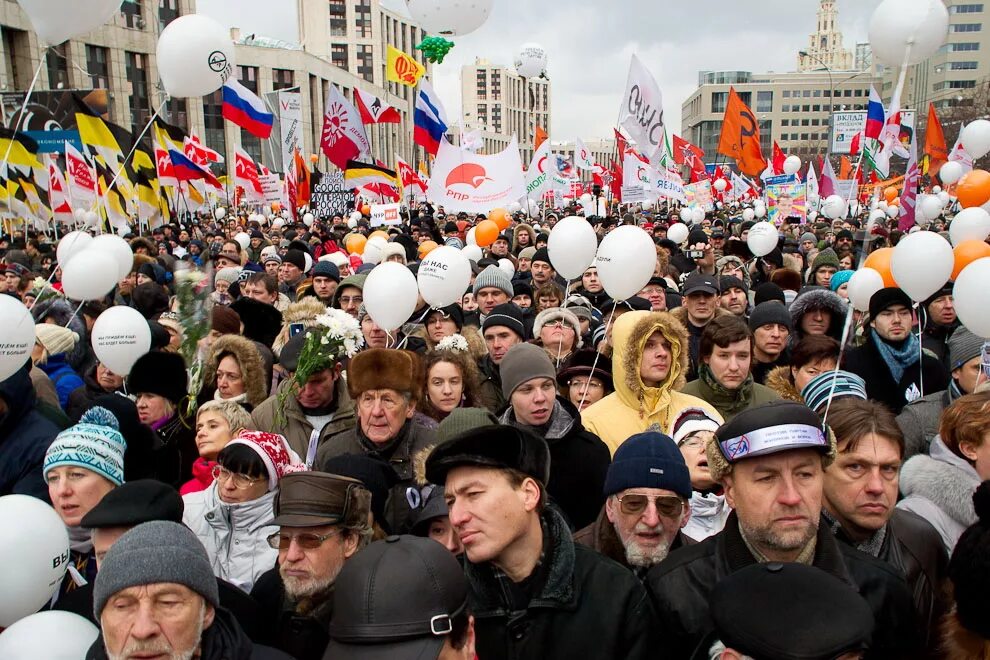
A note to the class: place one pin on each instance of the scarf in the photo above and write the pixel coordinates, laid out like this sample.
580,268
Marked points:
80,540
870,546
724,399
806,556
240,398
898,358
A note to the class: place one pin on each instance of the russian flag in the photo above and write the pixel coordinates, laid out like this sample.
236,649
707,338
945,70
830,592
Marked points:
430,119
874,116
244,108
186,170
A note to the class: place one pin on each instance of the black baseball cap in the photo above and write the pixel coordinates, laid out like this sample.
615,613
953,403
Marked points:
700,282
396,600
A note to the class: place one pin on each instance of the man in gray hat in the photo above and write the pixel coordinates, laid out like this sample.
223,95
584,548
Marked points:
156,596
323,520
492,287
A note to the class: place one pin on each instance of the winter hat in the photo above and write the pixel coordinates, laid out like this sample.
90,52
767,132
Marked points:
543,255
452,312
522,363
769,312
54,338
95,443
819,388
268,251
553,314
786,279
296,258
521,288
338,259
496,447
648,460
393,250
507,315
963,347
766,292
840,278
159,373
826,257
493,276
384,369
886,298
153,553
228,275
808,236
462,420
586,362
225,320
527,253
374,473
326,269
692,420
969,567
275,453
272,257
727,282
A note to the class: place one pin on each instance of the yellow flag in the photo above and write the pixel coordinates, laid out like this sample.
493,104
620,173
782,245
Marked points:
403,68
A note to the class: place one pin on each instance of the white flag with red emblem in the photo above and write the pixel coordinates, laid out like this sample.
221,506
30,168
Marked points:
58,194
344,137
82,178
582,156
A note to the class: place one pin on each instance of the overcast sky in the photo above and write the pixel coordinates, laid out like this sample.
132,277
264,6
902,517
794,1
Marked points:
589,43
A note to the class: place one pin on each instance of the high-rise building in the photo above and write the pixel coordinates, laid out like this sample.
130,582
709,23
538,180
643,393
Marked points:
501,104
825,44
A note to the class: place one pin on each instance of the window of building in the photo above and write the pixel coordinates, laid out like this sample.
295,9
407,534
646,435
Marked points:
815,122
364,68
719,99
248,76
816,108
806,93
137,75
785,108
794,136
967,9
847,93
338,55
57,61
966,27
764,101
962,66
785,122
168,11
338,18
213,136
362,19
98,65
964,46
787,93
805,122
282,79
805,108
817,93
804,136
962,84
132,12
177,113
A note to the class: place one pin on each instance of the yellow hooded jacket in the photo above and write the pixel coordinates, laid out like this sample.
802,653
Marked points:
633,407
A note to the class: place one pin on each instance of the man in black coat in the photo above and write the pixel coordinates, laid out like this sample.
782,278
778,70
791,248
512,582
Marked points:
770,461
891,362
579,459
25,435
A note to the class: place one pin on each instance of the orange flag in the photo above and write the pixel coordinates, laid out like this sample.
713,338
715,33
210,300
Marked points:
740,138
540,137
935,147
845,168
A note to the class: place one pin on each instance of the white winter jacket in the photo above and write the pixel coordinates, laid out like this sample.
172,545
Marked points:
235,535
708,514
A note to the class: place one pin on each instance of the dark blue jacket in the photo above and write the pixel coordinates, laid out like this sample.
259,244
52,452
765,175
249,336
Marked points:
63,377
24,438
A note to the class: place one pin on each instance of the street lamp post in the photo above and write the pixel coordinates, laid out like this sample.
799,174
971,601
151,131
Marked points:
831,98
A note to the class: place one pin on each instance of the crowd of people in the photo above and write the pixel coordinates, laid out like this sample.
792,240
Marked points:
732,463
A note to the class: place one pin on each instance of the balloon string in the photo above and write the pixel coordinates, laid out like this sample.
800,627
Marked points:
598,354
846,327
922,321
137,142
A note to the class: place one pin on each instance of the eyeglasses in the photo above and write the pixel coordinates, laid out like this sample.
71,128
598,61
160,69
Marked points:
591,385
634,504
693,442
240,481
347,300
306,540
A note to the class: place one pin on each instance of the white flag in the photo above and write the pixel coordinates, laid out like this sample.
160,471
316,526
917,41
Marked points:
539,176
476,183
582,156
636,173
959,155
344,137
812,182
641,113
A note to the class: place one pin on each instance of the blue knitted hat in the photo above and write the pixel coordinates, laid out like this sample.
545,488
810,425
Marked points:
840,278
648,460
95,443
818,389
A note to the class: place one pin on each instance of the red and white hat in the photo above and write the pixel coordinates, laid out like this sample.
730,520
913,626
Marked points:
275,453
692,420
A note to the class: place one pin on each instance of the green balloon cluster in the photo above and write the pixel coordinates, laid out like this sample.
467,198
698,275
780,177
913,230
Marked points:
435,48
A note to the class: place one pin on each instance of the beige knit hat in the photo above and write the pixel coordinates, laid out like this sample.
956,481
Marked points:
54,338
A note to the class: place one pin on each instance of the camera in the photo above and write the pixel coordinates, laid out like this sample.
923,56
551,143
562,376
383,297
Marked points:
695,254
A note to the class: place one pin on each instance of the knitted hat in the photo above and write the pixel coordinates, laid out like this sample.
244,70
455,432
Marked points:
766,292
296,258
95,443
521,288
462,420
543,255
507,315
963,347
155,552
769,312
527,253
274,451
493,277
228,275
819,388
393,250
326,269
840,278
727,282
826,257
886,298
808,236
969,567
268,251
554,314
648,460
273,257
692,420
54,338
452,312
522,363
225,320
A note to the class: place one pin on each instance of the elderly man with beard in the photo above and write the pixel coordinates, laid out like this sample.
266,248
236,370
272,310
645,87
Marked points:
647,489
770,461
323,521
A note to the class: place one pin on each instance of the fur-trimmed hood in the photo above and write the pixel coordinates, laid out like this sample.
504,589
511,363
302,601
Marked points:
305,311
629,336
520,228
818,298
944,479
680,313
249,359
779,380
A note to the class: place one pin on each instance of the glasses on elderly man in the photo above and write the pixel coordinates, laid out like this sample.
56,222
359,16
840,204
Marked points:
306,540
634,504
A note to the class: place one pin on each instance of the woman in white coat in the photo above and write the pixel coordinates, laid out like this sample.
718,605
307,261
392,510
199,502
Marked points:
231,516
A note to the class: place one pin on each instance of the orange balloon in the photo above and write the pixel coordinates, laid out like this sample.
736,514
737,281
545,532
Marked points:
895,202
500,218
366,210
973,189
426,247
313,158
378,232
485,233
966,253
889,194
880,262
354,243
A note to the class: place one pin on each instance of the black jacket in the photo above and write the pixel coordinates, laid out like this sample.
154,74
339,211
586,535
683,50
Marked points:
579,462
223,640
81,398
303,636
24,439
175,453
681,585
866,362
584,606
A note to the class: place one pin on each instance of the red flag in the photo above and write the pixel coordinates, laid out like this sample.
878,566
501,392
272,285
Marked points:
198,152
373,110
408,176
778,159
935,147
740,136
690,156
246,173
344,137
621,143
854,146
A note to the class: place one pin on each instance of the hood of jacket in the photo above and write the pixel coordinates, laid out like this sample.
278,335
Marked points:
943,478
818,298
244,516
629,336
18,393
564,419
779,380
248,358
356,281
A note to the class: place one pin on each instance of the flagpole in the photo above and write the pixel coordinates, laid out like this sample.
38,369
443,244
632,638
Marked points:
20,116
137,141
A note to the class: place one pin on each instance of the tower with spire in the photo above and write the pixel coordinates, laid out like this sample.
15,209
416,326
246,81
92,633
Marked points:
825,45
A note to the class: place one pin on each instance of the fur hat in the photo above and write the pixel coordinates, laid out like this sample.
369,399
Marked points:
384,368
786,279
248,358
393,250
159,373
558,314
262,322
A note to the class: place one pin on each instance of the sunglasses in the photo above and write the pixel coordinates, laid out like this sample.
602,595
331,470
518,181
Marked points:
306,540
668,506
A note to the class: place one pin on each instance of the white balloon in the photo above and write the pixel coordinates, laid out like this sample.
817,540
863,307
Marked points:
882,205
975,138
443,275
936,190
473,253
951,172
34,563
697,214
469,237
921,264
893,211
626,260
534,207
79,215
286,214
586,198
944,198
812,215
876,216
70,245
760,211
307,261
972,224
90,275
450,17
372,253
762,239
243,239
931,207
220,213
720,185
54,635
17,336
514,207
792,164
748,215
355,216
686,215
678,232
969,297
759,204
835,207
195,56
862,285
390,295
572,246
92,219
118,249
57,20
308,219
506,267
120,336
897,25
531,61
